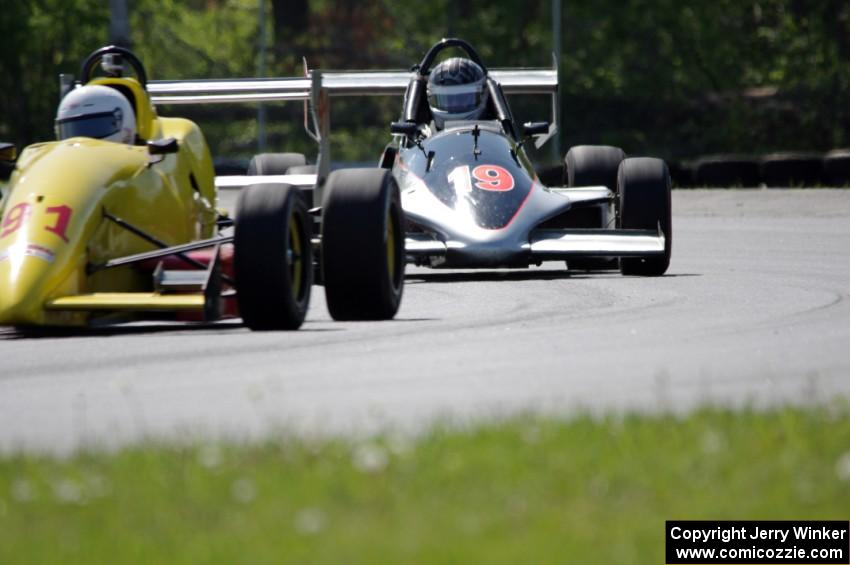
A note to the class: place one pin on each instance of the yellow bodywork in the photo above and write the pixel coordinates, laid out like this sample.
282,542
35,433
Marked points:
133,301
53,226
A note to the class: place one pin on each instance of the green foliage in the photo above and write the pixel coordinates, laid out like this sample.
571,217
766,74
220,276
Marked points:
528,490
207,40
687,75
655,76
38,40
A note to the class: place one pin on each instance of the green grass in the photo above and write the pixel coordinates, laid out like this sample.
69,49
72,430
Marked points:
528,490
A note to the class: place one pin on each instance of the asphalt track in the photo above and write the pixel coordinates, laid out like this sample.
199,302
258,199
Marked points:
754,310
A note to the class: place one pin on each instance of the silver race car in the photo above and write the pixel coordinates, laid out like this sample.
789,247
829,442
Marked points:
471,196
455,186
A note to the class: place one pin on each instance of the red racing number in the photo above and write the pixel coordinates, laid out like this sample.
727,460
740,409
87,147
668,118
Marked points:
63,216
493,177
15,218
17,214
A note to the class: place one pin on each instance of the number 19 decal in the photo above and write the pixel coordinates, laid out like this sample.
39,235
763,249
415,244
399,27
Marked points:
487,177
493,177
17,214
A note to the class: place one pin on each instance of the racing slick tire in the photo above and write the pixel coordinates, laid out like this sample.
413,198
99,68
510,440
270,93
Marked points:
644,189
593,165
362,244
273,257
275,163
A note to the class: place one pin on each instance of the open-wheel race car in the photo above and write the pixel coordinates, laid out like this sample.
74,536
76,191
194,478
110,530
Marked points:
471,195
117,220
469,192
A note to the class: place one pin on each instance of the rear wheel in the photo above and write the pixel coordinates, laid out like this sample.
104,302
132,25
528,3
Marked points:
362,244
644,187
275,163
593,165
273,259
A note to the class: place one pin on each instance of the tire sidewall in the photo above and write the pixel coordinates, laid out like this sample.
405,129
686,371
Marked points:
261,245
587,165
395,285
357,278
645,203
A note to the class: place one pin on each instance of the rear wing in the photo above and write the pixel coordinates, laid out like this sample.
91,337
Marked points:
318,87
345,83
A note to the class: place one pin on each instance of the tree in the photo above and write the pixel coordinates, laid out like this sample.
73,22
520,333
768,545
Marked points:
290,17
38,40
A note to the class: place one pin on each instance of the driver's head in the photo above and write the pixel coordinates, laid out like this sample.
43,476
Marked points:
96,111
456,91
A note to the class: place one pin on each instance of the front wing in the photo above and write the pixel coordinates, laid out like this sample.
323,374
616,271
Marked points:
555,244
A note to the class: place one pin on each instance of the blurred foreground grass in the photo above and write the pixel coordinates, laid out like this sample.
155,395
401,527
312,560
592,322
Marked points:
528,490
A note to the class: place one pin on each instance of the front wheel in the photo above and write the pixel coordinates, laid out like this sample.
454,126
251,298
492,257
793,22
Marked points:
644,187
593,165
362,244
273,258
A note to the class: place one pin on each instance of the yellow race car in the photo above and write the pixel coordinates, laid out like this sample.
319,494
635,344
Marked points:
117,220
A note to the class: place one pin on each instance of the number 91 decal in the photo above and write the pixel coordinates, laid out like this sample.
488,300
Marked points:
18,214
487,177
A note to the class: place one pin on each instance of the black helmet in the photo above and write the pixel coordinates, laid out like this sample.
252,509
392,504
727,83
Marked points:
456,90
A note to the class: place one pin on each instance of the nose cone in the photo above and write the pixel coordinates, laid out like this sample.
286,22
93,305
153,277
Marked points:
53,208
24,274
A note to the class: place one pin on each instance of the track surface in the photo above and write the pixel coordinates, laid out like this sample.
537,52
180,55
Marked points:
755,309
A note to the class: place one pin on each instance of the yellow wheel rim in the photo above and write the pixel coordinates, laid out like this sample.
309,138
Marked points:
295,261
391,259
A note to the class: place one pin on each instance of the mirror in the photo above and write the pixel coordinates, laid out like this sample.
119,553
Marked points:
535,128
8,152
163,146
403,128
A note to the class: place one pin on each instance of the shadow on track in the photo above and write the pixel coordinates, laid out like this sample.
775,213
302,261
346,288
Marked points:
12,334
485,276
519,275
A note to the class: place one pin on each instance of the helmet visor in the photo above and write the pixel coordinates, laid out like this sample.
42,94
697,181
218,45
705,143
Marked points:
455,99
97,126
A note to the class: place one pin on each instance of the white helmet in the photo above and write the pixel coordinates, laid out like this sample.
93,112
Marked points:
96,111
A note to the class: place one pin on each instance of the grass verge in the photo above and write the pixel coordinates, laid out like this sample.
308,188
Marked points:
527,490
